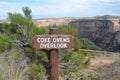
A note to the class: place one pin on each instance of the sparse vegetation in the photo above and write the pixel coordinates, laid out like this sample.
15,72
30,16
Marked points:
87,44
5,42
11,68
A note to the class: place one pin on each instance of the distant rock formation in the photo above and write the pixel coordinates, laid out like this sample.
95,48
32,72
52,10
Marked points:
53,21
111,43
103,31
93,28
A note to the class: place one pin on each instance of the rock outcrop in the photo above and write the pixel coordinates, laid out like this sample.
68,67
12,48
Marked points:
113,43
103,31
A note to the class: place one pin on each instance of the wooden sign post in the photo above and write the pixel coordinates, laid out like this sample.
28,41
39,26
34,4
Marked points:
53,59
53,42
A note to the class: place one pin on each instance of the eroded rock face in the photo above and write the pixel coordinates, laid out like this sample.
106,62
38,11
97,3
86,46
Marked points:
103,33
114,42
93,28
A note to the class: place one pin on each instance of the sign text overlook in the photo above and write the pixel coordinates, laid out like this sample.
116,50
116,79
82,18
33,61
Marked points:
48,42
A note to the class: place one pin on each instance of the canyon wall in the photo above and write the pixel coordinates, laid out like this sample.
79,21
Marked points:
105,33
93,28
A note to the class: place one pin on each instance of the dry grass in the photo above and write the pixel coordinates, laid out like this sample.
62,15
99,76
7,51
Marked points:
10,69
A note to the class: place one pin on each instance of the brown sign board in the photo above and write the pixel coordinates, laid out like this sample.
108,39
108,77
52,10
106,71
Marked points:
47,42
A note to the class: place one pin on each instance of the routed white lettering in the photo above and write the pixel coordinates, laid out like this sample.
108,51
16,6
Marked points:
48,42
43,40
61,40
66,40
52,45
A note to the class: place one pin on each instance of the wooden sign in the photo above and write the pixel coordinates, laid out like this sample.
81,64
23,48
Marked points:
53,42
47,42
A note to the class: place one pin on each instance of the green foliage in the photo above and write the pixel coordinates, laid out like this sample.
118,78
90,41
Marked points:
27,12
87,44
41,55
27,29
8,28
16,18
15,55
29,51
5,42
73,60
38,72
24,23
71,31
30,42
99,70
64,55
40,30
78,58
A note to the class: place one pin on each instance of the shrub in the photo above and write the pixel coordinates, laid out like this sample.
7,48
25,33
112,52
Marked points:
87,44
38,72
5,42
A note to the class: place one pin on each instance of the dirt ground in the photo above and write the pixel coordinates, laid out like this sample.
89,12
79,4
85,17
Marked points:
104,62
96,61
